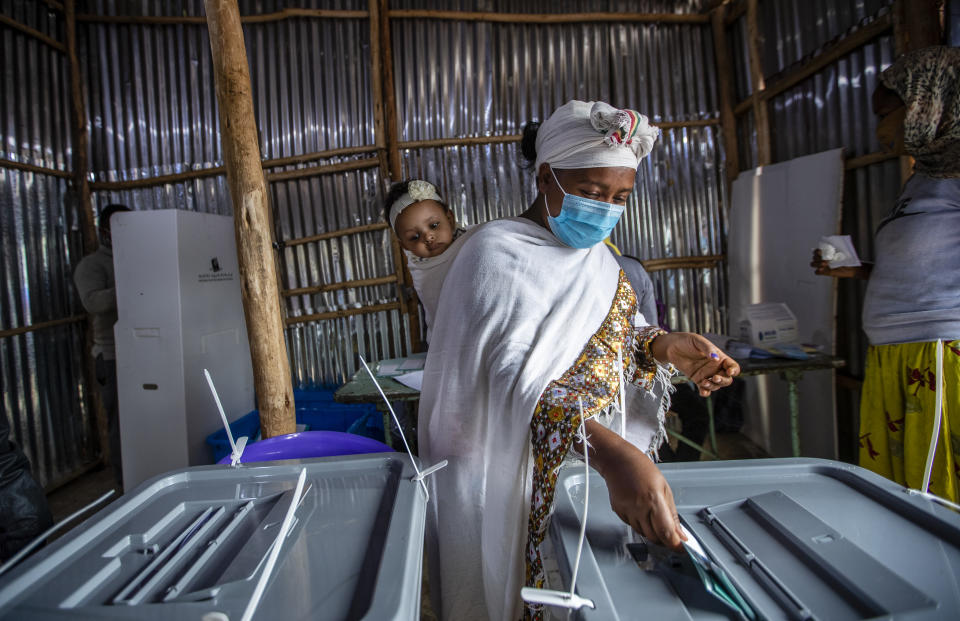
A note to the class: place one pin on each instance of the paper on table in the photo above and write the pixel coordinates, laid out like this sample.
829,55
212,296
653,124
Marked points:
398,366
412,380
838,251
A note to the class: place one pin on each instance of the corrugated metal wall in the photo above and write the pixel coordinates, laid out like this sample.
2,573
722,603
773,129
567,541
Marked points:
150,101
42,386
830,109
465,79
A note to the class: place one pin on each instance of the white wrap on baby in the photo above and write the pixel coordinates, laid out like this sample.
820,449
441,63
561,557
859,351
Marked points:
428,274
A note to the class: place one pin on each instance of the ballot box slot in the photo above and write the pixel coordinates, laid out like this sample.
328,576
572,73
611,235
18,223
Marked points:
830,577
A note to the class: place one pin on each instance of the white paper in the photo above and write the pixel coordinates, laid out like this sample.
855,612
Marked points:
838,251
411,380
693,544
398,366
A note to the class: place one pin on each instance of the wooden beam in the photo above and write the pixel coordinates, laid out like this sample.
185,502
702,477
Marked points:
81,186
215,171
409,306
684,124
348,312
672,263
761,121
40,170
379,56
510,138
43,325
376,86
163,20
391,117
831,54
868,160
326,169
922,24
458,142
32,32
728,121
251,216
550,18
149,182
914,27
737,10
338,286
844,46
317,155
53,4
365,228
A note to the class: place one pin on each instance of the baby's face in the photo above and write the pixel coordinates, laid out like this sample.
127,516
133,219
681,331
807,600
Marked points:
425,228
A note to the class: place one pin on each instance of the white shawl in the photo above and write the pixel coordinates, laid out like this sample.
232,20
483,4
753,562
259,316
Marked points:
516,309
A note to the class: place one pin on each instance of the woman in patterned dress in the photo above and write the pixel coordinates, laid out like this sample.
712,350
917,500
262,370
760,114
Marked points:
534,317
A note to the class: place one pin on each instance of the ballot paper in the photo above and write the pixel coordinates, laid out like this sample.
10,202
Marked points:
838,251
411,380
715,579
399,366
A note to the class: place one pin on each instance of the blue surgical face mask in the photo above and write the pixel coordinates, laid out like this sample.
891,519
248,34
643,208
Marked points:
583,222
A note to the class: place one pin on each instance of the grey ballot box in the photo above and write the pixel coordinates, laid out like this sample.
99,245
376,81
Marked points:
193,542
799,538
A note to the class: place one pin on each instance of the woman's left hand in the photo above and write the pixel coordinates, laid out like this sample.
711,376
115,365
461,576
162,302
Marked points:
697,358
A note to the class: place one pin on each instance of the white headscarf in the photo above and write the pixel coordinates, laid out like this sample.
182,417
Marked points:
594,134
417,191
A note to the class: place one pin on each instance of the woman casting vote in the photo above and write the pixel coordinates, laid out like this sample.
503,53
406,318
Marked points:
531,319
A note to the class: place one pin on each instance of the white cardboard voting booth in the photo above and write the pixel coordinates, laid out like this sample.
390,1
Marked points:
778,214
179,312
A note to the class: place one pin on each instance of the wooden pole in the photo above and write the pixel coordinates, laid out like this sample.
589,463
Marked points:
728,121
251,216
389,94
78,113
81,188
410,306
761,120
378,22
914,27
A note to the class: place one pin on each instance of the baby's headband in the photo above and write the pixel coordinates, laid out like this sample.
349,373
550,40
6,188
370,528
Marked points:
417,191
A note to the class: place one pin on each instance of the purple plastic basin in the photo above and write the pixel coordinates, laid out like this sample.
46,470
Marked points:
309,444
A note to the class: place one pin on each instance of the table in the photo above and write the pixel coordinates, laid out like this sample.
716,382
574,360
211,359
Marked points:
791,371
361,389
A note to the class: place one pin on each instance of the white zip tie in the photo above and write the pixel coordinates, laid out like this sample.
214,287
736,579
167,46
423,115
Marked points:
937,415
275,551
623,397
236,448
13,560
935,498
569,599
420,475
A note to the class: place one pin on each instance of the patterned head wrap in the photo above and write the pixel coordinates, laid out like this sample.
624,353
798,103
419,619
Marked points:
594,134
928,82
418,190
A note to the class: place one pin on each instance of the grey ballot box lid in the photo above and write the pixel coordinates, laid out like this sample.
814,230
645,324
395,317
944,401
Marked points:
194,541
799,538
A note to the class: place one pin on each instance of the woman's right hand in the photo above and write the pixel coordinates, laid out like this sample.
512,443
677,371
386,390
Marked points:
639,494
822,268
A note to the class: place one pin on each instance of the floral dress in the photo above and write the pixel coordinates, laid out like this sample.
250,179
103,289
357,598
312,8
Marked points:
594,378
